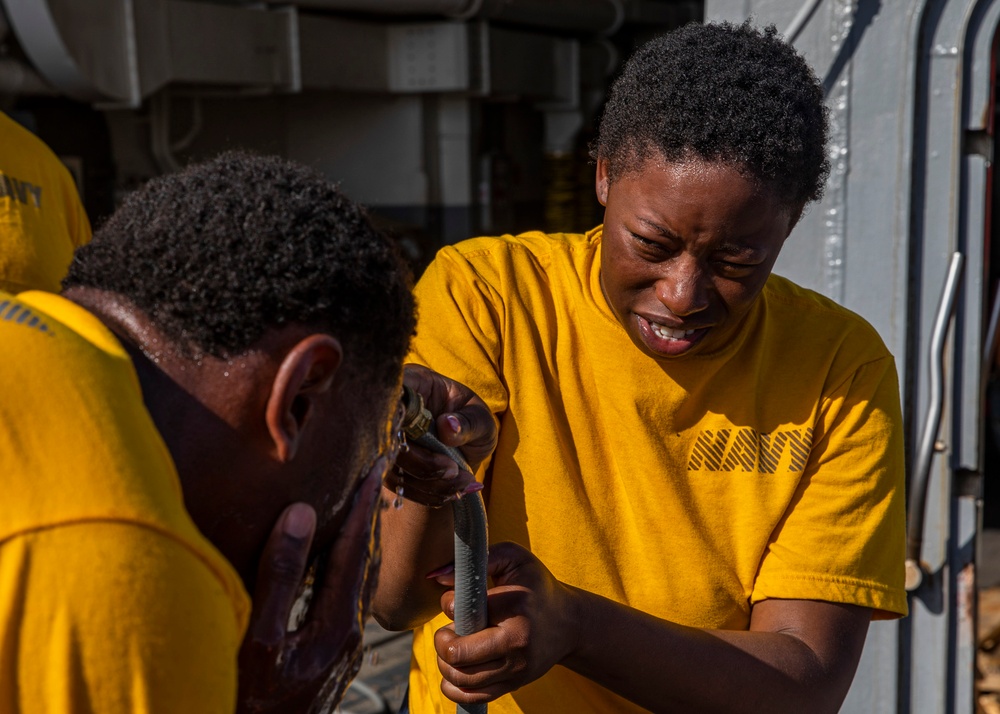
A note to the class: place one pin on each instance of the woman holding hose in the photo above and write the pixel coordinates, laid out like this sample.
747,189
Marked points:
696,495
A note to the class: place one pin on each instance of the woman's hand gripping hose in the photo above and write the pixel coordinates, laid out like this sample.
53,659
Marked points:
469,511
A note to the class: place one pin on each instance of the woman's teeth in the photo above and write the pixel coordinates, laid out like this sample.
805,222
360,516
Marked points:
669,334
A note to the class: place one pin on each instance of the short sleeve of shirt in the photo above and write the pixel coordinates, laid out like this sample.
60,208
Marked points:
841,539
453,292
113,617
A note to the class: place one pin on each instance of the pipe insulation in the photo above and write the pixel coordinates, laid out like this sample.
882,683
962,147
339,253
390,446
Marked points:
38,30
124,51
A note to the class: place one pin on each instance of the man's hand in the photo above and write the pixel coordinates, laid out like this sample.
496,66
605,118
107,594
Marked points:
309,669
532,628
461,419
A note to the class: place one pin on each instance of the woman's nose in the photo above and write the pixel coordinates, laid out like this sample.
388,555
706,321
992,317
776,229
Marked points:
684,289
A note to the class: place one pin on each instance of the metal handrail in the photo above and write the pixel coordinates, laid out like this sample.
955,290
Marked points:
932,424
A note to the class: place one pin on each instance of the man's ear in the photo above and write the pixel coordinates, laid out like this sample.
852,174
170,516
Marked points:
307,371
602,182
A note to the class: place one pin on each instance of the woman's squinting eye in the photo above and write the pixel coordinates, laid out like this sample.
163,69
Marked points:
731,268
649,242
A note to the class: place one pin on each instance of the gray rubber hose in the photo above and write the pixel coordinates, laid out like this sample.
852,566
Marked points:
471,535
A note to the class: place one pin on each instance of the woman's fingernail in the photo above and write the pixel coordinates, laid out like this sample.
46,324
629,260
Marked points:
454,423
443,570
474,487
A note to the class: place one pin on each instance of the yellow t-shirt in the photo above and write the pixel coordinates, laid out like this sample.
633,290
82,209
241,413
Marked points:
687,488
41,219
110,599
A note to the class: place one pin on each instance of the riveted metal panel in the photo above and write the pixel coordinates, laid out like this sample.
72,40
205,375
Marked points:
904,198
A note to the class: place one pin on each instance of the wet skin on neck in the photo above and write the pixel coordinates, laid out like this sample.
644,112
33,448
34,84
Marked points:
283,422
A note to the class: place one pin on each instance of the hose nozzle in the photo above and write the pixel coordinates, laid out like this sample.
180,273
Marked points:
417,420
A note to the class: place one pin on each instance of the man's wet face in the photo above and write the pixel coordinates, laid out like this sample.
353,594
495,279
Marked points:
686,249
354,443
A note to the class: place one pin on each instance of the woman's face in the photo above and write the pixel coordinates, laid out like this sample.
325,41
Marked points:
687,248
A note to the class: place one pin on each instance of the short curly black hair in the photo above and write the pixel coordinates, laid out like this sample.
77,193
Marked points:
720,92
221,251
